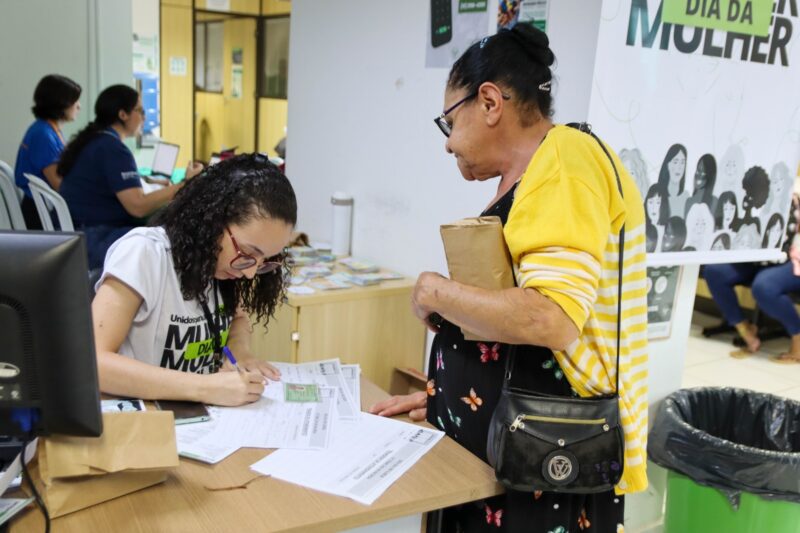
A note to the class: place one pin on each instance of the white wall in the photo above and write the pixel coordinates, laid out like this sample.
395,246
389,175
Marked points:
361,104
145,15
86,40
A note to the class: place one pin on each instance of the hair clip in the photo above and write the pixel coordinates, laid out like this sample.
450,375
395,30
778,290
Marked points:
483,42
545,86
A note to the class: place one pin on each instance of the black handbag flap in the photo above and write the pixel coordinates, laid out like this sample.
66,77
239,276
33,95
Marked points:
560,421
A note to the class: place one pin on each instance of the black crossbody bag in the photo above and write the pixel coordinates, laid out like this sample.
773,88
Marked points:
556,443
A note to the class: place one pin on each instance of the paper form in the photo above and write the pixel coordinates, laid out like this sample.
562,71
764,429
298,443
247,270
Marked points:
362,461
327,373
352,377
269,422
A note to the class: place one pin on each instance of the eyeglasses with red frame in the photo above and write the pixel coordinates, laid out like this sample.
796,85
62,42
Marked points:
243,261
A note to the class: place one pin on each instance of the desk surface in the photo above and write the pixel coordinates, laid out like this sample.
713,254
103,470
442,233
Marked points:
446,476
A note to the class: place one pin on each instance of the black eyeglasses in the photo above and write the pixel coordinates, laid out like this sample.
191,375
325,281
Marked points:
441,121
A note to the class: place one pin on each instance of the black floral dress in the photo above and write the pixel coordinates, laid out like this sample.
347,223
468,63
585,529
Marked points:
464,387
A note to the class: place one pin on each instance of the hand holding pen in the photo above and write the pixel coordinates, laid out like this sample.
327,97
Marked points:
231,358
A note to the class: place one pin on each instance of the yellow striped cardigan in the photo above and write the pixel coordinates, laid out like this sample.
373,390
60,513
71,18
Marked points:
563,235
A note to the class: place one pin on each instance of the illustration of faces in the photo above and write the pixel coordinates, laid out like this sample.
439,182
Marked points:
672,175
677,167
634,163
722,242
654,208
727,212
656,205
747,238
731,169
674,235
779,179
756,188
699,227
773,235
706,173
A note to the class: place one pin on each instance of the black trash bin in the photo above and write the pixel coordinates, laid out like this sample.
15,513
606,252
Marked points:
742,444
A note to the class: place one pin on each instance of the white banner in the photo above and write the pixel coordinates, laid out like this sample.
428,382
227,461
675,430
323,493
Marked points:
708,124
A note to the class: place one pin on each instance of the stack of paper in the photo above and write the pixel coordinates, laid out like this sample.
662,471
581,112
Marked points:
275,422
357,265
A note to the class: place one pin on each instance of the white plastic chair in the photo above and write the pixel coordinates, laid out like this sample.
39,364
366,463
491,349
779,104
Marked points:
42,195
10,198
5,221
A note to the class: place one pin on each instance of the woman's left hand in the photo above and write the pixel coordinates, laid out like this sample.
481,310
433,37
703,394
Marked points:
424,297
251,364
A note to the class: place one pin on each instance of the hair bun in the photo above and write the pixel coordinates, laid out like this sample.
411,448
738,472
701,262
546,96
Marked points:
535,42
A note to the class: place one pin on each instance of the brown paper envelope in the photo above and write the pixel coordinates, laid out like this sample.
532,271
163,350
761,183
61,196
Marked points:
63,496
130,441
477,255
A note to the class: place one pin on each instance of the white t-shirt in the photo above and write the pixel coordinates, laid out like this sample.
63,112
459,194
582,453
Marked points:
167,331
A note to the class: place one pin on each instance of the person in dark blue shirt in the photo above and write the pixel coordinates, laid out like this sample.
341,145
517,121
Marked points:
102,185
56,101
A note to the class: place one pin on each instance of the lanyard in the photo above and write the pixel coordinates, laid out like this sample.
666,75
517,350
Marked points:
214,327
57,130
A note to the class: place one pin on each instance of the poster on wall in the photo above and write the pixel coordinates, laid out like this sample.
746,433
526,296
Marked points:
512,12
177,65
662,292
145,54
236,73
453,25
704,119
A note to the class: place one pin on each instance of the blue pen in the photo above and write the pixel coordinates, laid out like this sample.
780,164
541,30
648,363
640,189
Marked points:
230,357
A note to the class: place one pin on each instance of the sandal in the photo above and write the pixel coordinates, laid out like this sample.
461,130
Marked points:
786,359
749,334
741,354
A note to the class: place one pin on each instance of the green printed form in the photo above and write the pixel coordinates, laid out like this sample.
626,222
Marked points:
301,392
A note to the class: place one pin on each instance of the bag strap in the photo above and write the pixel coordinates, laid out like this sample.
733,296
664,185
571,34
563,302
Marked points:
587,128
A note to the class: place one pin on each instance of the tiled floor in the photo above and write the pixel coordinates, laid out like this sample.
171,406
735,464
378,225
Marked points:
708,363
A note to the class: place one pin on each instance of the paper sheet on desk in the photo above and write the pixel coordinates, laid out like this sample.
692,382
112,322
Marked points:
324,373
363,460
270,422
352,376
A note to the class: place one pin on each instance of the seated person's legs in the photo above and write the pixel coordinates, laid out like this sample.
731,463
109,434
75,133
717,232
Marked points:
771,288
721,280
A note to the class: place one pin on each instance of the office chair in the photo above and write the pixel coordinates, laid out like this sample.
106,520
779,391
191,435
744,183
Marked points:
44,195
10,198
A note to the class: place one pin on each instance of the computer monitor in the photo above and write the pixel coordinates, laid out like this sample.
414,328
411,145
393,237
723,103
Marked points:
48,366
164,159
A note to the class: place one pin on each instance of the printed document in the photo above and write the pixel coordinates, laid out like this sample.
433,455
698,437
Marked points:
327,373
362,461
271,422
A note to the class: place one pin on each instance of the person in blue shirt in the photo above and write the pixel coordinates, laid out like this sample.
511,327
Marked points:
102,186
56,100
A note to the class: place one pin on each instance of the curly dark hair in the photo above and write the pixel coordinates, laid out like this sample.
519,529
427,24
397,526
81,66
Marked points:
233,191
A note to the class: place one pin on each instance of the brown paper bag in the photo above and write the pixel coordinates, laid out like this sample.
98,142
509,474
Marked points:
477,255
134,452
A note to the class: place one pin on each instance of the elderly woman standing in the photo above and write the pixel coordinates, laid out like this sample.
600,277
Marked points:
562,212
